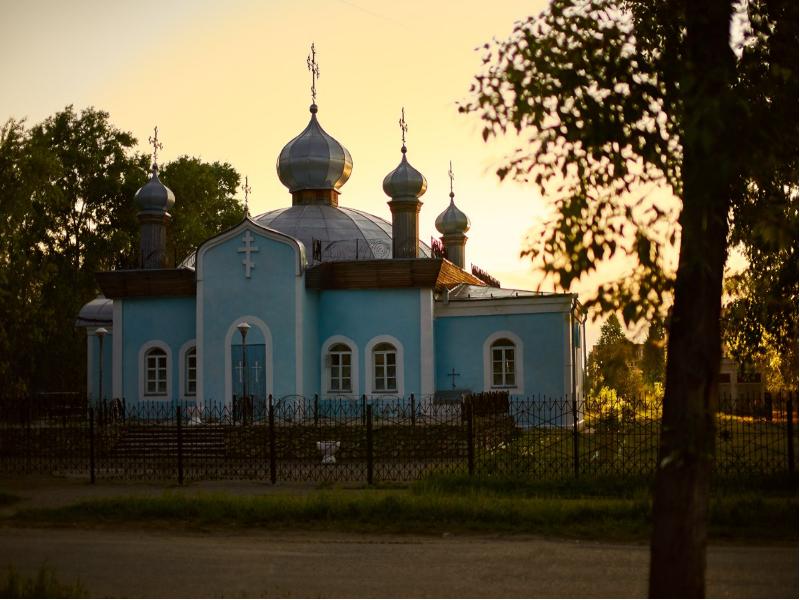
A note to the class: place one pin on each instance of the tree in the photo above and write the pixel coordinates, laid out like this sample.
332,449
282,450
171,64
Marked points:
67,186
654,353
620,96
610,359
205,202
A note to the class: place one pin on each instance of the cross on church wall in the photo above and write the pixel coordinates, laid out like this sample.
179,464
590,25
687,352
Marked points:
248,249
452,374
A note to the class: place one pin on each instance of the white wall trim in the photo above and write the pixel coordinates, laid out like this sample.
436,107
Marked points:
519,365
116,349
354,370
142,374
187,345
502,306
567,358
369,381
267,353
426,353
200,341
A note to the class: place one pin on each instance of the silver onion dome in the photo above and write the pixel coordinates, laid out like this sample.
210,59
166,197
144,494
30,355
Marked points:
405,181
314,160
154,197
452,220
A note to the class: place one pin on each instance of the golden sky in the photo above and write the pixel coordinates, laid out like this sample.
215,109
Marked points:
228,81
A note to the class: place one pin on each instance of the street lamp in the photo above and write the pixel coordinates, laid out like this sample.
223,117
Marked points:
100,332
243,328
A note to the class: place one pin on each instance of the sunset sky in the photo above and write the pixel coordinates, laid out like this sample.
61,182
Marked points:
227,81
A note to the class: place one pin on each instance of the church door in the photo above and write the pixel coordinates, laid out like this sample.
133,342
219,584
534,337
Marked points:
253,373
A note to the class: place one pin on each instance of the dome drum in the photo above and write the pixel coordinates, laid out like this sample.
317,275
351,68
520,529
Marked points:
307,197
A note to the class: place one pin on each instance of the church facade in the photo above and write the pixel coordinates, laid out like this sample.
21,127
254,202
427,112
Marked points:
319,299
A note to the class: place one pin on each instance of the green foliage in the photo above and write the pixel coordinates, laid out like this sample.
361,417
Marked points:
44,585
205,202
596,88
67,187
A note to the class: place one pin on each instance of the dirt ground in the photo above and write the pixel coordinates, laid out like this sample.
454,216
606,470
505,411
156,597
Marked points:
218,563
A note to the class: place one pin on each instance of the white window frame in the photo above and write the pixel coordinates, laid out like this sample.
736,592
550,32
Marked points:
143,354
488,372
183,387
325,376
369,366
508,353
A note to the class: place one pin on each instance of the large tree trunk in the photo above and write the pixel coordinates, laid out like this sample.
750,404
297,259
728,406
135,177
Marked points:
680,504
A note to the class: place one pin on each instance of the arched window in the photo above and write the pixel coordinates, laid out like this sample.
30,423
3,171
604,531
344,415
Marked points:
155,372
504,373
190,371
384,360
340,377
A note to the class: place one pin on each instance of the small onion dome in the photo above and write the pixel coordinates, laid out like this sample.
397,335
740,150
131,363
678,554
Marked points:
452,220
154,197
405,181
314,160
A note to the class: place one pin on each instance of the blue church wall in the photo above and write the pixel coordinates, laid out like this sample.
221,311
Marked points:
361,316
311,343
460,346
93,363
169,321
265,299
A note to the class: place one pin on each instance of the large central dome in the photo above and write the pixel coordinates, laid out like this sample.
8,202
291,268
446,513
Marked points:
342,233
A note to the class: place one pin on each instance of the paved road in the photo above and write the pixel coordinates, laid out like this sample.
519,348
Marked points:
174,563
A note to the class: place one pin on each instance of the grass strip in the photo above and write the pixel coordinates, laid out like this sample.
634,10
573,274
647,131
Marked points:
378,511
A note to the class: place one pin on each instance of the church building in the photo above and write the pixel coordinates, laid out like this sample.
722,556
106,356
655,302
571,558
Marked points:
320,299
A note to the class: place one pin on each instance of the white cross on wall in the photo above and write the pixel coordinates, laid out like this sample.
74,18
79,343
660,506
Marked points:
240,368
256,368
248,248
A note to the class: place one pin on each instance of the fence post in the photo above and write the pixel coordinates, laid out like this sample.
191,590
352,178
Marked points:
370,456
470,436
179,422
363,409
273,466
316,410
91,445
413,411
575,438
789,436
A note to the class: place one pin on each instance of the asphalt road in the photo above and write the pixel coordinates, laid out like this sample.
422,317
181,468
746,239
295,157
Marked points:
174,563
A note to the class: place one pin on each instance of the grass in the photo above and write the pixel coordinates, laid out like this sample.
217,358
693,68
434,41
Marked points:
7,499
44,584
436,506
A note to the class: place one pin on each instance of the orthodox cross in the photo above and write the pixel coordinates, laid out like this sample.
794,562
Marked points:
450,174
256,368
247,189
403,127
248,248
153,139
453,375
240,368
311,61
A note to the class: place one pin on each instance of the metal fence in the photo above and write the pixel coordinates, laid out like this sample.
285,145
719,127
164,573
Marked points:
373,439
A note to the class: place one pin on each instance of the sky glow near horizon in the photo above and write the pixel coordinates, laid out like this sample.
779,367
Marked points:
228,82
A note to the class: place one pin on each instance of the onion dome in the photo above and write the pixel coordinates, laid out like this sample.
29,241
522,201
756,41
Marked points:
314,160
405,181
452,220
154,197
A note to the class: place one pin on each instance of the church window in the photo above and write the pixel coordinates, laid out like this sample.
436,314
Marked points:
191,372
156,372
385,362
340,370
503,363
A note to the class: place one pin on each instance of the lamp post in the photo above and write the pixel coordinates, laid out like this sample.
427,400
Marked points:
243,328
100,333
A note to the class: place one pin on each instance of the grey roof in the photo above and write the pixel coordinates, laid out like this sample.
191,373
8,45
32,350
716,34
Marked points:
464,291
154,196
405,181
97,312
452,220
345,233
314,160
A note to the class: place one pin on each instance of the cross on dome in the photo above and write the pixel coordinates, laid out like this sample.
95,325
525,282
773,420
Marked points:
153,139
403,128
246,189
311,61
450,174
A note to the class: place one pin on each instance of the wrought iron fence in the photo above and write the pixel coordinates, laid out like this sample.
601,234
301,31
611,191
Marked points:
297,438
